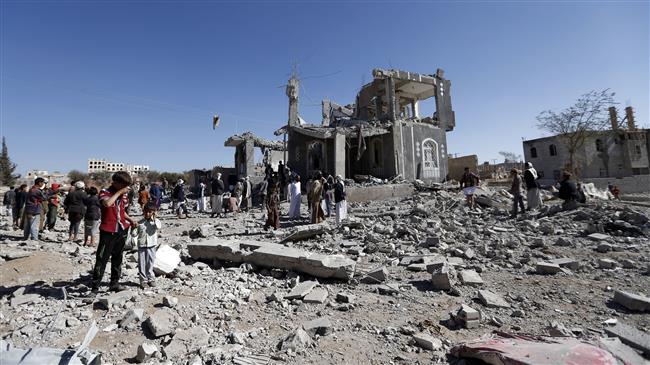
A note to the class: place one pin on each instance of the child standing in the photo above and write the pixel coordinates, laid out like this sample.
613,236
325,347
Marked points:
147,237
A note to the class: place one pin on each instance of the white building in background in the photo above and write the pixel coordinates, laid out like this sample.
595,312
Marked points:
100,165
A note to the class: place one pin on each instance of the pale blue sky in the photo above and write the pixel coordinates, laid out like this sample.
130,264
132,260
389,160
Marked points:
139,81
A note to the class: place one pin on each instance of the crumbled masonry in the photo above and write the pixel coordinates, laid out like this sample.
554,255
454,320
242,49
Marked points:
413,279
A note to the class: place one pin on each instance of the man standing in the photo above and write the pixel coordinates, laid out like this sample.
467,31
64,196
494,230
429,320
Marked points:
568,192
248,193
9,201
115,223
532,187
317,214
179,195
216,198
53,206
33,208
283,180
516,189
155,194
263,187
469,182
19,206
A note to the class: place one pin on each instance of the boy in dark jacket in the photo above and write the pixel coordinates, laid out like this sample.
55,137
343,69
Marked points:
33,206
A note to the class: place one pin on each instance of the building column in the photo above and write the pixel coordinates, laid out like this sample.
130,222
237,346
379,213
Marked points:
339,154
248,158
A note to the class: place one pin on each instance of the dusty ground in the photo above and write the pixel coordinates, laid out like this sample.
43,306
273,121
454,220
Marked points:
235,302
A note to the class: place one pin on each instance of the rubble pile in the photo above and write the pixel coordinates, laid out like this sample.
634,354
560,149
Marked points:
413,280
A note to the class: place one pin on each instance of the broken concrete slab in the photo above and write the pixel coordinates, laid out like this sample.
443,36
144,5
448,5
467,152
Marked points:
273,255
319,326
307,231
631,337
469,316
607,264
471,277
167,259
170,301
621,351
570,263
186,341
547,268
161,323
635,302
427,341
598,237
118,298
375,276
492,300
317,296
301,290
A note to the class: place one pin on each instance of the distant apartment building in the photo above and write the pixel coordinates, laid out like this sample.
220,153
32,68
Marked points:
98,165
613,153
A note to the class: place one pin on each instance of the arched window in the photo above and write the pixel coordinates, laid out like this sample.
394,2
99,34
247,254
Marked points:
430,159
315,156
533,152
599,145
552,150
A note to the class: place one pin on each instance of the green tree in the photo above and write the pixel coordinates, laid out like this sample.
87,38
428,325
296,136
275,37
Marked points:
7,168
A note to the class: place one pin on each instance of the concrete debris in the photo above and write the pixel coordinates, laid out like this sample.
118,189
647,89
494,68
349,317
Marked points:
115,299
296,340
598,237
547,268
492,300
161,322
468,316
272,255
169,301
167,259
634,302
301,290
427,341
320,326
132,316
186,341
317,296
10,355
375,276
441,277
235,289
471,278
146,351
631,337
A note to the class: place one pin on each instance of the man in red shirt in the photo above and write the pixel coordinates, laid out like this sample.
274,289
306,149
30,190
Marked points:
113,230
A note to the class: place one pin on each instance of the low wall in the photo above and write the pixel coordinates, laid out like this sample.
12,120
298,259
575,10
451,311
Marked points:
629,184
378,192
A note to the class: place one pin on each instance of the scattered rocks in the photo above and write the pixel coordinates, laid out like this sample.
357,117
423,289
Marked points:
146,351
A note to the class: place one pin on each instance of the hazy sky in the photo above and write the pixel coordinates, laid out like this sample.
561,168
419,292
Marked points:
139,81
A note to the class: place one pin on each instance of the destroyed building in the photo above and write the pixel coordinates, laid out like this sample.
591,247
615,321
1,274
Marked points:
614,153
382,134
245,144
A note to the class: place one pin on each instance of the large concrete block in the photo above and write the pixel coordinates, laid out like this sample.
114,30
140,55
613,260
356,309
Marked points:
631,301
274,255
167,259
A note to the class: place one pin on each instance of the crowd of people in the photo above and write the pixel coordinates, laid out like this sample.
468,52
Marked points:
105,213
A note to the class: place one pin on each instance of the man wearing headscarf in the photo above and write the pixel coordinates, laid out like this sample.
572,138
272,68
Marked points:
317,214
76,207
339,199
532,187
